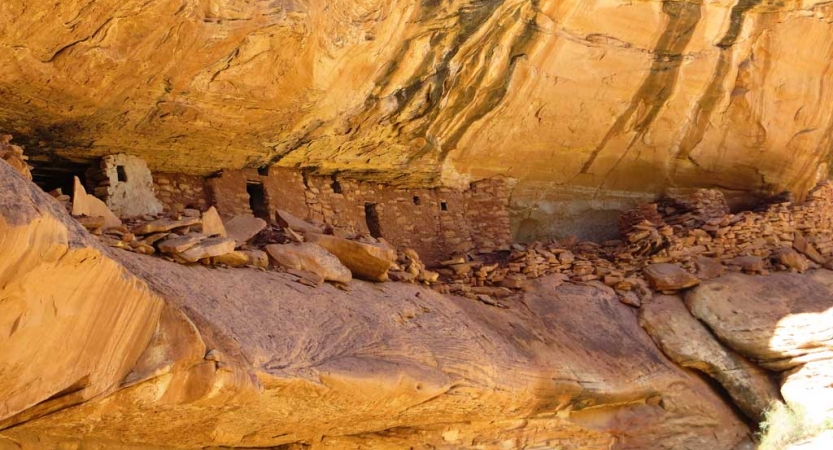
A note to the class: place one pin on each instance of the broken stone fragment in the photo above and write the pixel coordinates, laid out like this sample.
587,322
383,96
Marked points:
310,258
257,258
162,225
748,264
669,277
180,243
91,223
366,261
232,259
288,221
801,244
791,259
243,228
708,268
84,204
207,248
212,224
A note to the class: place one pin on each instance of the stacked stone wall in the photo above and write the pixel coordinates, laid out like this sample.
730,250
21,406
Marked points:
179,191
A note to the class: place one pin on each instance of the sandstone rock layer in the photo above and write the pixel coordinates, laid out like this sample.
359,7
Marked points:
600,102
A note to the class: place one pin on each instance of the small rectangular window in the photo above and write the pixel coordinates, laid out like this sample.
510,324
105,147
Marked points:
121,174
444,206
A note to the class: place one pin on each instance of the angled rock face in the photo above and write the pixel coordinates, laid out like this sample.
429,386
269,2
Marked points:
782,322
602,104
73,320
689,343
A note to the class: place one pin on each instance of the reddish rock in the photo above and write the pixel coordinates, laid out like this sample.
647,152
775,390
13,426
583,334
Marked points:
669,277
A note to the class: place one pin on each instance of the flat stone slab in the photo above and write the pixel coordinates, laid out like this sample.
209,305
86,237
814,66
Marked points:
243,228
180,243
162,225
207,248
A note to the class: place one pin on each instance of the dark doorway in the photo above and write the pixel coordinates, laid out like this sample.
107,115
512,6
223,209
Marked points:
257,200
372,217
122,175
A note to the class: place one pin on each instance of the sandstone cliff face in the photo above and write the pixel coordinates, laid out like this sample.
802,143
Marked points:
598,101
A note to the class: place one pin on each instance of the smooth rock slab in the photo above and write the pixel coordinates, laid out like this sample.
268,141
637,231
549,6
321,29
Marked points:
311,258
207,248
244,228
163,225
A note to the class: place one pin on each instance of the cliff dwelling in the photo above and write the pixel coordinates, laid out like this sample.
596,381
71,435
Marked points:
474,225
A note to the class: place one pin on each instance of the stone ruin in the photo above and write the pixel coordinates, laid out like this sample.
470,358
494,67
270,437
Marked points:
125,184
328,228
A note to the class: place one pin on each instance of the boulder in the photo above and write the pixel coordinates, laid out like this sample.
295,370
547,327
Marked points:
207,248
748,264
212,224
669,277
708,268
690,344
243,228
311,258
366,261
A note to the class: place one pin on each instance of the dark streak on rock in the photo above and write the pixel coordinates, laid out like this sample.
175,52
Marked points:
658,86
714,92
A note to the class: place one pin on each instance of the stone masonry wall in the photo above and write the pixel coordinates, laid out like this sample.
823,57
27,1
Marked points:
178,191
229,192
437,223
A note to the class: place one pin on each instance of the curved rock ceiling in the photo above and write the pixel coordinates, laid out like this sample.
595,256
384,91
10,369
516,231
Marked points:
606,101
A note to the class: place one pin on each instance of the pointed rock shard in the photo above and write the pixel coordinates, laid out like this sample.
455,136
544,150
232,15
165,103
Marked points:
84,204
367,261
668,277
207,248
212,225
79,199
310,258
244,228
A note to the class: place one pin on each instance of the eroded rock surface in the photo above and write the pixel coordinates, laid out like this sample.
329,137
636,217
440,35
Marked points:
690,344
73,320
782,322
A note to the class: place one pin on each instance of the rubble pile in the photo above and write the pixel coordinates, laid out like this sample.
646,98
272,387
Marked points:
668,245
13,155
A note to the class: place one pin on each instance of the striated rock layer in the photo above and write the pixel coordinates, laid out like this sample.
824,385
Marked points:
587,105
131,351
